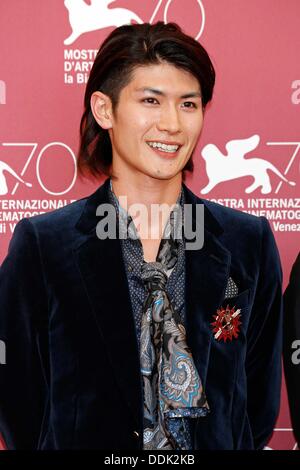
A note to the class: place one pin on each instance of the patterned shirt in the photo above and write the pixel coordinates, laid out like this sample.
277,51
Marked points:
133,257
132,252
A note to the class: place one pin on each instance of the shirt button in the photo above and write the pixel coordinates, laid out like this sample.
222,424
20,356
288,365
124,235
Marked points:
129,268
136,434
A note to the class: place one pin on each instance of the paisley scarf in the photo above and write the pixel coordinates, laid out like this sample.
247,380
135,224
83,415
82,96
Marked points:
173,392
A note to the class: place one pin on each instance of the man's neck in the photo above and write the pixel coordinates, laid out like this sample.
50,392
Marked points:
148,192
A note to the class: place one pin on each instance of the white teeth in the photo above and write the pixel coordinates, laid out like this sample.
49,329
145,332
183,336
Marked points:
164,147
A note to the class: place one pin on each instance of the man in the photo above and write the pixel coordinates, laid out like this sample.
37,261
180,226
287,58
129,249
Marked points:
291,345
138,341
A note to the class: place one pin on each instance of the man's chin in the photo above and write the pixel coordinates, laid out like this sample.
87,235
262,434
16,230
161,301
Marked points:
163,172
165,175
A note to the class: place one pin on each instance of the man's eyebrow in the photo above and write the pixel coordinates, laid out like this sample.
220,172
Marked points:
155,91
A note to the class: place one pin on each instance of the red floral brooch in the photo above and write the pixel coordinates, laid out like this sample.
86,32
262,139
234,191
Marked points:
227,323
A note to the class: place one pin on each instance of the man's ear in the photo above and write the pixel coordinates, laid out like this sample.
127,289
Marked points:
101,107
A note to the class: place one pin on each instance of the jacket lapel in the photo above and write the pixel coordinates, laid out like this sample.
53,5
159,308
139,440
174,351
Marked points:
103,272
207,272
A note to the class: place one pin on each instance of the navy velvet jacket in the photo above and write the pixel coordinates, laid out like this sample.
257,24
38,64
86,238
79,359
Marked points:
291,337
72,374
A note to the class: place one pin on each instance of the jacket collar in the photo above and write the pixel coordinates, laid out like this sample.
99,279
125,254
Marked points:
88,219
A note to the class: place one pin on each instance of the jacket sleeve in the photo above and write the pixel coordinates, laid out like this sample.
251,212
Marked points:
264,340
291,345
23,332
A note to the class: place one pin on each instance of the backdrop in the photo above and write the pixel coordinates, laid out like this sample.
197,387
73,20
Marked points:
251,127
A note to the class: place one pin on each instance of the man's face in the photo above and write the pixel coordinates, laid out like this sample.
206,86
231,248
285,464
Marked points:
160,106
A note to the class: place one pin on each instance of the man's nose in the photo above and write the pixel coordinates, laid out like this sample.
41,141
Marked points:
169,120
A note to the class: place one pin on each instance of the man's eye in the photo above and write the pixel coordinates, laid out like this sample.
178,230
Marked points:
187,104
190,103
149,100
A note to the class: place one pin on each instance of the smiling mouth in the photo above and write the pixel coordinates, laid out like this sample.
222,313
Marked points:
165,150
